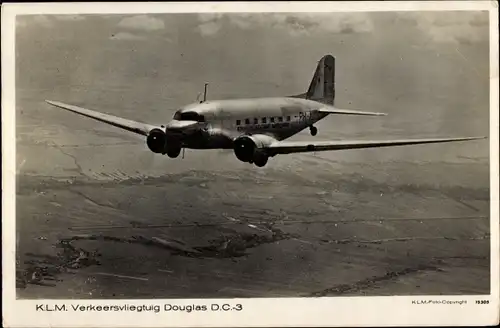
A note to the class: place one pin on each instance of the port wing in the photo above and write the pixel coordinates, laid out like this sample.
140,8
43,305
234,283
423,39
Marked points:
288,147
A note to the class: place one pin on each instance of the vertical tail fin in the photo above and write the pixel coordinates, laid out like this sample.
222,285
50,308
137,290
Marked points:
322,87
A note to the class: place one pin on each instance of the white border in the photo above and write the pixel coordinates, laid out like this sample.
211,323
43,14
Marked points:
336,311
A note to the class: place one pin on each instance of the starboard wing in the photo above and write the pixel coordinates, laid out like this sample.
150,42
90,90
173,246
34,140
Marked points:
122,123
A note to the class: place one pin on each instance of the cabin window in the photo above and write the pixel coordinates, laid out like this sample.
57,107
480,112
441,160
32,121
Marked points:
288,118
280,119
238,122
255,121
264,120
272,119
247,121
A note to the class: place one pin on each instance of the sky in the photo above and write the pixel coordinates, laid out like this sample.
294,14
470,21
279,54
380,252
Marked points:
428,70
277,49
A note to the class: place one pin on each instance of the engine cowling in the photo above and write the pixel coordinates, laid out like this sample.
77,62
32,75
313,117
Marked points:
248,149
157,141
244,149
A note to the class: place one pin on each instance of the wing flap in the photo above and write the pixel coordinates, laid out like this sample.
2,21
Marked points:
334,110
287,147
122,123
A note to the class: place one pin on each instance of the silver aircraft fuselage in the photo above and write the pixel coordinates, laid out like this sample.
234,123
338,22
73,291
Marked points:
215,124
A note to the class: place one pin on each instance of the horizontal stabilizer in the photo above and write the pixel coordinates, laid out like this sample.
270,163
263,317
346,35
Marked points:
333,110
302,96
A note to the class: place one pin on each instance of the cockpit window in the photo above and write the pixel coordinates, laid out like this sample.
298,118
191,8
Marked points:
189,116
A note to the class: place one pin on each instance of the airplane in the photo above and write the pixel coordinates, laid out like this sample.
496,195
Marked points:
256,128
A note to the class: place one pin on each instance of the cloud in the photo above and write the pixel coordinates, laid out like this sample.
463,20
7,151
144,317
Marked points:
299,24
454,27
126,36
69,17
142,22
45,21
210,24
33,20
209,28
21,22
310,23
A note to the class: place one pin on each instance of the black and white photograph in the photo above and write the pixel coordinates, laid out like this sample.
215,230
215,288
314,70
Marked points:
253,155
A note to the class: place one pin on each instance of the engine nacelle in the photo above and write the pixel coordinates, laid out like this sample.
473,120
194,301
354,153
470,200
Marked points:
248,149
157,141
244,148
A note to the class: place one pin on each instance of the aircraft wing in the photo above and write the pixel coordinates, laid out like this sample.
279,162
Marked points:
287,147
334,110
122,123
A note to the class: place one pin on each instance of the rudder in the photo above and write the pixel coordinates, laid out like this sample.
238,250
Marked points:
322,87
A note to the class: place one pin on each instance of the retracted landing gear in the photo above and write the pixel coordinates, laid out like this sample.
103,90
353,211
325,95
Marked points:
313,130
261,162
174,152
